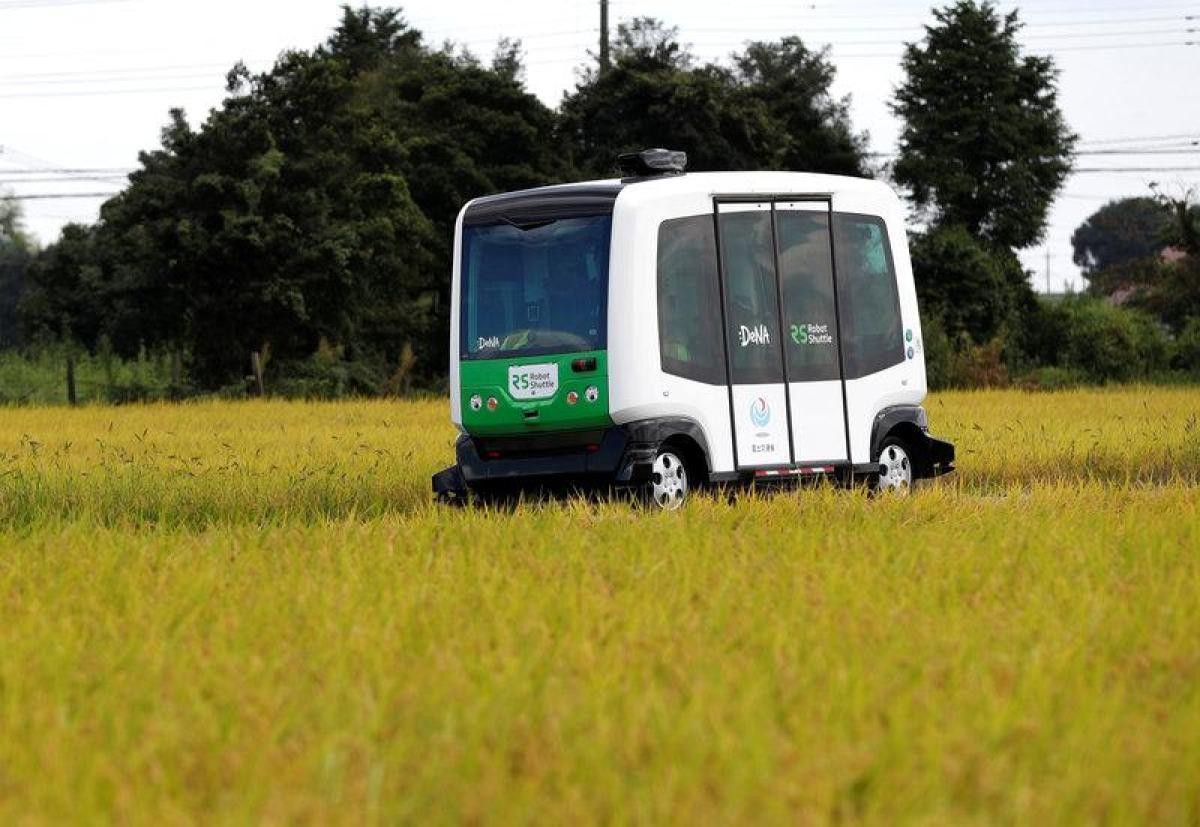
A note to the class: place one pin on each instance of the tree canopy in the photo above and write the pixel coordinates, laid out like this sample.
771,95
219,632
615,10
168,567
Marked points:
1122,232
771,109
16,251
313,210
984,144
315,205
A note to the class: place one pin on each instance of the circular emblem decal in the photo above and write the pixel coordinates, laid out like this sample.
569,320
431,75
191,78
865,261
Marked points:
760,412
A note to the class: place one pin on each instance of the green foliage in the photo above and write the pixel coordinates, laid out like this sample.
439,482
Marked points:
1120,233
960,362
1173,294
313,205
772,109
16,252
1187,348
984,144
973,290
38,376
1099,341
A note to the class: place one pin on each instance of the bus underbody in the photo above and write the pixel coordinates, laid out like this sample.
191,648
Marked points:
621,457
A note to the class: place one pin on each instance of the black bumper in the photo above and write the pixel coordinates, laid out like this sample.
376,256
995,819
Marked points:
620,455
940,456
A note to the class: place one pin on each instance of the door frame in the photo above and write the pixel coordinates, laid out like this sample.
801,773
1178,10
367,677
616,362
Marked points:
773,199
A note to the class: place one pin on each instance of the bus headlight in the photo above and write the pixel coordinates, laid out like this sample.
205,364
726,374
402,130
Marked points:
592,393
476,402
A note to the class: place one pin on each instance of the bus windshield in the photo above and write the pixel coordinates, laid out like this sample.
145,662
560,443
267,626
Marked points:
534,289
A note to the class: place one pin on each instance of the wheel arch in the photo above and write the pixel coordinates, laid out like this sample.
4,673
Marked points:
684,433
907,423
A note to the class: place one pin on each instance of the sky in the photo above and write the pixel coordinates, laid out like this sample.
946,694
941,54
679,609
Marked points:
86,84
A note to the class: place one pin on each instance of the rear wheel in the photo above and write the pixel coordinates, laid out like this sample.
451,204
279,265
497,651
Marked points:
895,468
669,483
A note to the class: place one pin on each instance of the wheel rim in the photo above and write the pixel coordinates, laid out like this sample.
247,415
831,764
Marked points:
668,481
895,469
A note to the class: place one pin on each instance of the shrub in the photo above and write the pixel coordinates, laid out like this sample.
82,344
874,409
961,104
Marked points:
1186,356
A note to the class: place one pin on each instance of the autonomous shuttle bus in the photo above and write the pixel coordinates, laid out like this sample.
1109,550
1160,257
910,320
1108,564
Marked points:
670,329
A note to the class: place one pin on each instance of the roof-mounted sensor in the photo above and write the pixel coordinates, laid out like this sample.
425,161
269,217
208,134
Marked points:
653,162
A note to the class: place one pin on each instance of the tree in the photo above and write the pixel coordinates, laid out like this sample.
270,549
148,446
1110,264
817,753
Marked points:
311,211
1183,228
64,296
984,145
813,128
1173,292
1123,232
16,251
771,110
972,289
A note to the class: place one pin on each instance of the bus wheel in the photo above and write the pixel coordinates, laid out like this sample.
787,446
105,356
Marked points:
668,485
895,468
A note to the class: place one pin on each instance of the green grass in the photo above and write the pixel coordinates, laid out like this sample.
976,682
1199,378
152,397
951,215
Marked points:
251,612
39,376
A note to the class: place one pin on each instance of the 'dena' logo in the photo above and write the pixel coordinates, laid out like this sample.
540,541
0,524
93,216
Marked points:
760,412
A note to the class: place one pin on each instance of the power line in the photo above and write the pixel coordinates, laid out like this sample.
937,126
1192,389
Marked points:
70,171
1136,169
52,195
40,4
1192,136
92,92
804,28
1192,151
10,181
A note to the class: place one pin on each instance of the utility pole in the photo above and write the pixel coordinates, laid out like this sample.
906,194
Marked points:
1047,269
603,36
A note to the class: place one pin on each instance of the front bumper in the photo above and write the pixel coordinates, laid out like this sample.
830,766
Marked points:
939,456
609,456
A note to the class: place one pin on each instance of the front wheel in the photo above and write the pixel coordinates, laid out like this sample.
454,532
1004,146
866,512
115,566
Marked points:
668,484
895,468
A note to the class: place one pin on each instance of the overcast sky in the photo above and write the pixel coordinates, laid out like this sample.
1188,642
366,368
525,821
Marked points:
86,84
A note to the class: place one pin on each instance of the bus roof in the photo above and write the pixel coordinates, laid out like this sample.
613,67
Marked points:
590,197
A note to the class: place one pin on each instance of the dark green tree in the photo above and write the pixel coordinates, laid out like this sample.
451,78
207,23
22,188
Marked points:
65,295
16,251
771,110
1173,291
1123,232
812,128
312,210
973,289
984,144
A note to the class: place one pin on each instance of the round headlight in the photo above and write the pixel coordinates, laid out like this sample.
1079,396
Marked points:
476,402
592,393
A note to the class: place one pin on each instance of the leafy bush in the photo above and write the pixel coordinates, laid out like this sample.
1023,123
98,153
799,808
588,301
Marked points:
1187,348
975,291
1109,343
38,375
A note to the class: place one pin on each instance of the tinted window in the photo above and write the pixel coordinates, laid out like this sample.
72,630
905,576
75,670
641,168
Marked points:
809,319
535,289
751,308
872,332
689,309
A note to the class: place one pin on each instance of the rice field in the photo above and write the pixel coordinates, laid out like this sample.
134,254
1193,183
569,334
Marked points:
253,612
